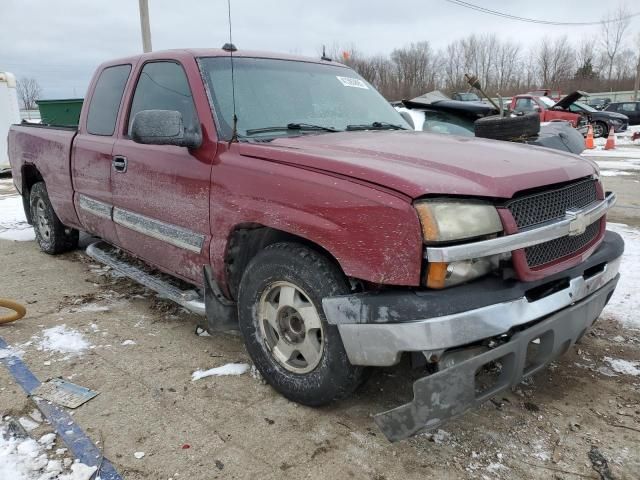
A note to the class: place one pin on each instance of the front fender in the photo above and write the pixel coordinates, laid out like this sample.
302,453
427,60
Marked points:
374,235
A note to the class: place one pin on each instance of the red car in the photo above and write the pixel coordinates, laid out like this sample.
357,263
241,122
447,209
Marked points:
297,206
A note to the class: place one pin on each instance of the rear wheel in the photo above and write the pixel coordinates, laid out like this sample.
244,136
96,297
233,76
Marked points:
52,236
284,327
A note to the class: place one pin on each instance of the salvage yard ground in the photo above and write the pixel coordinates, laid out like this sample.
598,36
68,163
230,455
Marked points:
155,420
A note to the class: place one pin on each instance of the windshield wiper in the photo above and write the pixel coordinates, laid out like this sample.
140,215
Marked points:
292,126
376,126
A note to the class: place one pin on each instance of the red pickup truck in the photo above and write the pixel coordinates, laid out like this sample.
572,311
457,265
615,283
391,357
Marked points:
548,109
287,199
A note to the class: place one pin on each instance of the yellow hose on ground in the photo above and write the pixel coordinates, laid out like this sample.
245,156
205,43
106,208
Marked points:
19,311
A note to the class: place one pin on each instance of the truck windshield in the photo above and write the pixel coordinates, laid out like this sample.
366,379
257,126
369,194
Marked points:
272,94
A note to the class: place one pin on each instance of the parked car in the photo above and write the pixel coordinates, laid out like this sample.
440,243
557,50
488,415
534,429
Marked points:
602,120
555,95
629,109
598,103
455,118
319,225
466,97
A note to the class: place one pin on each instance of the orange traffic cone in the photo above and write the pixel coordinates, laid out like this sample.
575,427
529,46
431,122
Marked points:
611,140
589,143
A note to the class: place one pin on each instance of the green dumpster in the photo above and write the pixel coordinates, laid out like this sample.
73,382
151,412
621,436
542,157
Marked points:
64,112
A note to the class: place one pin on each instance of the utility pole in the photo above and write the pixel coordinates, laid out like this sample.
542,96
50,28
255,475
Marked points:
144,25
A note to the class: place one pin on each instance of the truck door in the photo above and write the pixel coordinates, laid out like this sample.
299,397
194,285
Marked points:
91,158
161,192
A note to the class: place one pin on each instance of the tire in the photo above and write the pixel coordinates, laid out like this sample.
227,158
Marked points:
52,236
600,130
508,128
272,329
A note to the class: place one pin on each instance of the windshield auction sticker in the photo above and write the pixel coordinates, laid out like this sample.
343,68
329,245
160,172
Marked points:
352,82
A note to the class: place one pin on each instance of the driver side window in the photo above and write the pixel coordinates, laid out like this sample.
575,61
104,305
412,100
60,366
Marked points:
163,86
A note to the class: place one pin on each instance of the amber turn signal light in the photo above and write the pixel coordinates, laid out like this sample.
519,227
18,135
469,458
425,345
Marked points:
437,274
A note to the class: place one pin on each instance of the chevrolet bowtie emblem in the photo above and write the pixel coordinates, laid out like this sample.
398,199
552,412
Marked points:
578,222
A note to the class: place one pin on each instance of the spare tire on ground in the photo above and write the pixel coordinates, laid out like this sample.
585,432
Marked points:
508,128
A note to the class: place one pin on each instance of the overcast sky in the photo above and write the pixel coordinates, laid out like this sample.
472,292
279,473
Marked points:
59,42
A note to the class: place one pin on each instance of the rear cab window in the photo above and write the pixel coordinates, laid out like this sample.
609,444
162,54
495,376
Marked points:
106,99
163,85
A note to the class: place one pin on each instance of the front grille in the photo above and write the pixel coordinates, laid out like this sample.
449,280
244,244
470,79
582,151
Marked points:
541,207
531,210
560,247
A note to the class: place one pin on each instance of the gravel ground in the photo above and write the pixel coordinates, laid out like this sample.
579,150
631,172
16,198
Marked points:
566,422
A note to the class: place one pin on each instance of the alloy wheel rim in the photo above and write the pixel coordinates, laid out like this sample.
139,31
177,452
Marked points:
291,327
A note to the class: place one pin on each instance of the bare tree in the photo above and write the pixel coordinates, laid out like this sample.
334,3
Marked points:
555,61
28,91
417,67
613,30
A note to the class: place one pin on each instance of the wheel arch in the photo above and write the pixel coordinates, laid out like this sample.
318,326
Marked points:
30,176
246,240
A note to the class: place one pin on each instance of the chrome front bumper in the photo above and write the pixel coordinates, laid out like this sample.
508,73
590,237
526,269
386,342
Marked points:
452,391
381,344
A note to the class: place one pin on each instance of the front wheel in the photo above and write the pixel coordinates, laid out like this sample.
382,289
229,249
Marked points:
52,236
284,327
600,129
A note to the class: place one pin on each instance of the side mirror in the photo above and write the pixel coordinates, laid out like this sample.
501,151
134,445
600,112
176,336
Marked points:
164,127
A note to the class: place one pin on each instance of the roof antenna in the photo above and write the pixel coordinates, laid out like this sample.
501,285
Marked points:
324,55
230,47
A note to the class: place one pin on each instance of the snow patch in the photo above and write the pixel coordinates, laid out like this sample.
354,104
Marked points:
26,459
63,340
625,302
623,366
13,224
128,342
614,173
10,352
28,424
228,369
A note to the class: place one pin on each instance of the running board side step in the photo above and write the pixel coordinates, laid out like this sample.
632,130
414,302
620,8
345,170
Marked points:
189,299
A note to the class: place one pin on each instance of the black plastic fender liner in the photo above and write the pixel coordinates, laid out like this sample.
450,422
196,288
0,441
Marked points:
222,313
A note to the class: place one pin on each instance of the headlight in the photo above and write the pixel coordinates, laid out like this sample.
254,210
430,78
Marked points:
455,220
451,220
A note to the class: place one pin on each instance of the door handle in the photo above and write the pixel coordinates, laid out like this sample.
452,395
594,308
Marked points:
119,163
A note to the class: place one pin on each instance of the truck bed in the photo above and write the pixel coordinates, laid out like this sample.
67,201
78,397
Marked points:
49,149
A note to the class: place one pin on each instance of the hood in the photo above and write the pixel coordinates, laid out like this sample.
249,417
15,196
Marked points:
603,114
420,163
566,102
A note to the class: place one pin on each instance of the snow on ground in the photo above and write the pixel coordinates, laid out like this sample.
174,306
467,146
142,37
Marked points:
618,152
228,369
27,459
614,173
13,224
63,340
623,366
625,302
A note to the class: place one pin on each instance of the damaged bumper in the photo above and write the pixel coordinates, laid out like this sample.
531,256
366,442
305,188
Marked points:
377,328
